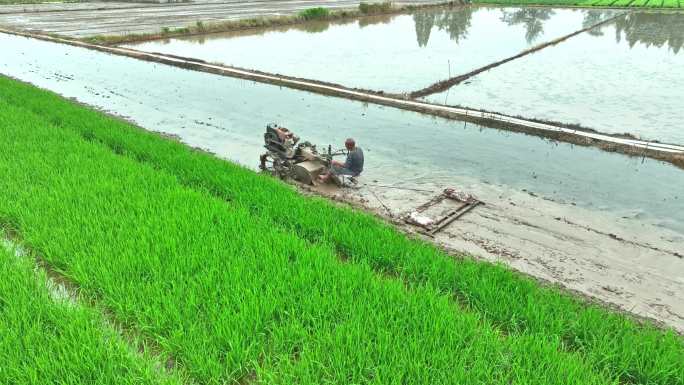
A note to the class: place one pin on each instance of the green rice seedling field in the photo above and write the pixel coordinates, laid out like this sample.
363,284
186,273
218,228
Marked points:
590,3
50,341
239,278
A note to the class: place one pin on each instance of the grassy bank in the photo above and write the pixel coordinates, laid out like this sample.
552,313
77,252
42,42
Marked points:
237,276
50,341
311,14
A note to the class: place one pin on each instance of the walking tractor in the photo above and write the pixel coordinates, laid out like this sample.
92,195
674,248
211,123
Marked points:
287,157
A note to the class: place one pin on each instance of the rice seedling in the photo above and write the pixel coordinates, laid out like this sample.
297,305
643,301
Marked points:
44,341
166,236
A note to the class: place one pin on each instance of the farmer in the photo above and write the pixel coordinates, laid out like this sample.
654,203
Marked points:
353,166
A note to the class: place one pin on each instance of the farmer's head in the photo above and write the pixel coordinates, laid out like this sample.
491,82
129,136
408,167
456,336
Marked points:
349,144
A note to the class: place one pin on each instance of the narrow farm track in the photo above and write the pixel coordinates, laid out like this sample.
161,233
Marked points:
561,325
92,19
93,6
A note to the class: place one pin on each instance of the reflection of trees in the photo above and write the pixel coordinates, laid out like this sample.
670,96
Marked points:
316,26
652,29
455,23
594,17
531,18
424,23
372,20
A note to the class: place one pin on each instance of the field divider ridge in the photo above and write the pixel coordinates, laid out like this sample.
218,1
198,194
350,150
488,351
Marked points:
56,300
61,287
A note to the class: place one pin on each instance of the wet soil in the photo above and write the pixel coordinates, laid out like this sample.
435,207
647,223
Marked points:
611,261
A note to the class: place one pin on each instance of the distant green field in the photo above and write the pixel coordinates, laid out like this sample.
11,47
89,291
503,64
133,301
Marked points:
591,3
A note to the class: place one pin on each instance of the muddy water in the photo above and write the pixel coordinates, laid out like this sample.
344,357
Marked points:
627,77
390,53
227,116
604,224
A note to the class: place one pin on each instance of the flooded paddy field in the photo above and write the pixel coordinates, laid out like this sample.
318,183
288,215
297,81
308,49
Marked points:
607,225
242,108
116,18
389,53
626,77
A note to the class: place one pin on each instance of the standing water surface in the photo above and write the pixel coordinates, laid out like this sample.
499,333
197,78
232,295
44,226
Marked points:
227,116
626,77
390,53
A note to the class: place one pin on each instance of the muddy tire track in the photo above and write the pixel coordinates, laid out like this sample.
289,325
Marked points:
623,240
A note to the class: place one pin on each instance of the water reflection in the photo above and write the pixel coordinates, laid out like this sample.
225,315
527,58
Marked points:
313,27
380,19
594,18
531,18
455,23
649,28
431,44
652,29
